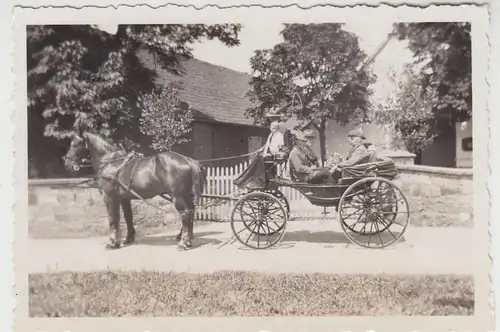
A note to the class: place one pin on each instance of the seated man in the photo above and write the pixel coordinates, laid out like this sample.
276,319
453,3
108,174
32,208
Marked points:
357,153
358,150
304,162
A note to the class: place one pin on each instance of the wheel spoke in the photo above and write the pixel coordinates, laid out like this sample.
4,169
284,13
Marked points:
370,234
246,227
355,212
383,221
258,237
393,212
248,214
253,209
252,232
267,234
379,233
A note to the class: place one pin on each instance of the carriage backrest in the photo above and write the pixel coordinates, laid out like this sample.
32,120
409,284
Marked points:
291,171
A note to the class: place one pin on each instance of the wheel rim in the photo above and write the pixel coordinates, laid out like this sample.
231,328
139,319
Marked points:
374,213
259,220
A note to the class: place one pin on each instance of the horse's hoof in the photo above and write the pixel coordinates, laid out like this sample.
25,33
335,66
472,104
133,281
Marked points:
182,247
129,240
189,244
178,238
113,245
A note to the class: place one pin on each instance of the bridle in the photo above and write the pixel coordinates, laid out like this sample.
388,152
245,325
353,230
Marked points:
86,163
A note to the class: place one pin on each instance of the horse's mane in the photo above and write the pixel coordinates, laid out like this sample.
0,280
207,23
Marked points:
101,143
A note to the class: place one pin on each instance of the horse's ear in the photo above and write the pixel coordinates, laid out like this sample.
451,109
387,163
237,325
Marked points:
81,124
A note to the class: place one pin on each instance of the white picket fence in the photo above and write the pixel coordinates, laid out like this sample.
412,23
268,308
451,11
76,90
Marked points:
220,183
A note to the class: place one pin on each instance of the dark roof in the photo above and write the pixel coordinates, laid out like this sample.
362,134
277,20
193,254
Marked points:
215,92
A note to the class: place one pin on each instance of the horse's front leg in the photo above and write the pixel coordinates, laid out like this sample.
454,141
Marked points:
113,208
129,217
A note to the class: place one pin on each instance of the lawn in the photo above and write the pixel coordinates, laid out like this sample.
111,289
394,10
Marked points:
105,294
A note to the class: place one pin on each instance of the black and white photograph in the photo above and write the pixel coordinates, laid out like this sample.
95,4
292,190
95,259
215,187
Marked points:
238,163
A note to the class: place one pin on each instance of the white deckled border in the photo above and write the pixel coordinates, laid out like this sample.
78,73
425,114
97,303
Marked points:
212,15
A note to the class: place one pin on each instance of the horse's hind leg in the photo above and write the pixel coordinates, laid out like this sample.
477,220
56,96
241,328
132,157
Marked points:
190,219
180,206
113,208
129,217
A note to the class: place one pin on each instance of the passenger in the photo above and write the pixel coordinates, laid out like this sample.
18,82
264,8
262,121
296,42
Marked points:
357,153
305,164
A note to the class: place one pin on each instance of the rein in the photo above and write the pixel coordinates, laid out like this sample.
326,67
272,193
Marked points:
89,165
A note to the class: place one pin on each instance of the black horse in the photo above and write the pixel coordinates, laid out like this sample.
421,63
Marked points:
123,177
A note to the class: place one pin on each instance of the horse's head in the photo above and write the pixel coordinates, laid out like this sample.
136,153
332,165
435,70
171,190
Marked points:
75,152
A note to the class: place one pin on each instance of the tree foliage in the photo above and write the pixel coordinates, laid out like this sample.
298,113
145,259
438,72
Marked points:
318,63
443,50
81,68
408,110
165,118
75,69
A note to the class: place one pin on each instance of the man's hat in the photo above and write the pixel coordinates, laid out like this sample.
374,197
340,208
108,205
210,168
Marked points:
310,134
272,116
356,133
301,136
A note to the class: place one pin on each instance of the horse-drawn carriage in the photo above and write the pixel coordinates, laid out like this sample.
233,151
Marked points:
367,202
364,193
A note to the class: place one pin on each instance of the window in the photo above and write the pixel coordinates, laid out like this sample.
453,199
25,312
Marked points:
467,144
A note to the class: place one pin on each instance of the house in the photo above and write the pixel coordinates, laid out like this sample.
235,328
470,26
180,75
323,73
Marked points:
217,95
451,148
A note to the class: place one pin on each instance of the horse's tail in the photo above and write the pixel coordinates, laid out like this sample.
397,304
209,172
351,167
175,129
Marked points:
199,179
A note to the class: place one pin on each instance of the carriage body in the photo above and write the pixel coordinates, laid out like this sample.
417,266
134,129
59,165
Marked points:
328,195
353,195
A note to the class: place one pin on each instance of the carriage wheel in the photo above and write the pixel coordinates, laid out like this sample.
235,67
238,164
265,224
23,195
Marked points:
282,198
374,213
390,200
262,220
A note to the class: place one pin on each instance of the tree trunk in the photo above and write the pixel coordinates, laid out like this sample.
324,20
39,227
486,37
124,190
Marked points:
322,141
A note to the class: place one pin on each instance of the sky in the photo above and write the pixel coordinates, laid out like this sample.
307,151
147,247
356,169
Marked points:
260,35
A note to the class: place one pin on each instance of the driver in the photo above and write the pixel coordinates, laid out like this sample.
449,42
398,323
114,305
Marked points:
305,163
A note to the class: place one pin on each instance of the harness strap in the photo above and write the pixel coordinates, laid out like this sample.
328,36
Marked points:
133,173
120,168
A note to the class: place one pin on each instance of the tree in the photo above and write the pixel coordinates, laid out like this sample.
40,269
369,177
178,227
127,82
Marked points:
165,117
408,111
80,68
319,63
443,50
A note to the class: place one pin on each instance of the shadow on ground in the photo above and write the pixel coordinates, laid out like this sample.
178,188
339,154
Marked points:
199,240
331,237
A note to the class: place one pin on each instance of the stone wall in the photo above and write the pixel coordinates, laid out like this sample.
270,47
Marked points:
56,205
438,196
